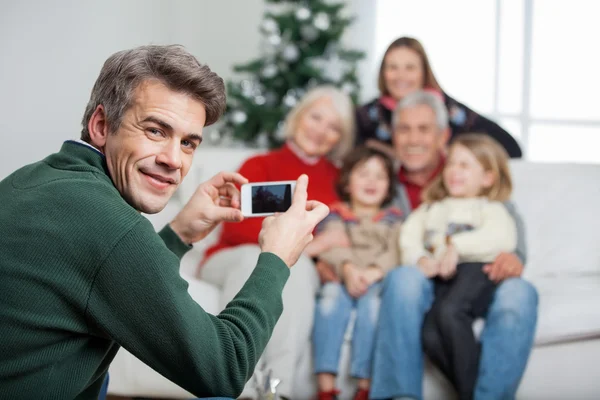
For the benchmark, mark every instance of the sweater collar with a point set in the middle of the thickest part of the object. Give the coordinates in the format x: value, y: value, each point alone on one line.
x: 79, y: 156
x: 301, y: 155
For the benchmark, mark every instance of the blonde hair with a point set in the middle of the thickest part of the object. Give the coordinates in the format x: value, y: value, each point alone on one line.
x: 344, y: 107
x: 492, y: 157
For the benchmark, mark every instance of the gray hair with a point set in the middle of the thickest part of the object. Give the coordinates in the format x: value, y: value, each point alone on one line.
x: 423, y: 98
x: 171, y: 65
x: 344, y: 107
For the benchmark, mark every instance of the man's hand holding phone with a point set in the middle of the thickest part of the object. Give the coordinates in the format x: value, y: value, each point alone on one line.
x: 287, y: 234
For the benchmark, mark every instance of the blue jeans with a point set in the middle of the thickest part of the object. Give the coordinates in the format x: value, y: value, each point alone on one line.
x: 332, y: 314
x: 103, y: 389
x: 506, y: 340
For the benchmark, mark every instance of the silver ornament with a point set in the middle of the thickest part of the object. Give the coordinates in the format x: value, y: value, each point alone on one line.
x: 322, y: 21
x: 269, y: 71
x: 348, y: 88
x: 247, y: 88
x: 260, y: 100
x: 269, y: 25
x: 289, y: 99
x: 274, y: 39
x: 302, y: 13
x: 309, y: 33
x: 290, y: 53
x: 238, y: 117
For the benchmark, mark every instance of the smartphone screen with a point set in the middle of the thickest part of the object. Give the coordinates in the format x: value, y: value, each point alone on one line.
x: 271, y: 198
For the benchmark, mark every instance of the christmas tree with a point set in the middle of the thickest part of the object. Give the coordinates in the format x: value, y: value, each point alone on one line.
x: 301, y: 50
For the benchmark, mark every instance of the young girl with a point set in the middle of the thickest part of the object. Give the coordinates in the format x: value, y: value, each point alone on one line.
x: 461, y: 226
x: 366, y: 186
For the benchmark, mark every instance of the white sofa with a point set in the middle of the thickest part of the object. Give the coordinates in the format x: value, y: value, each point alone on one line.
x: 560, y: 205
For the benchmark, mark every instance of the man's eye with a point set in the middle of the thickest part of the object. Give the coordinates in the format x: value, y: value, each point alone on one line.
x: 189, y: 144
x: 155, y: 132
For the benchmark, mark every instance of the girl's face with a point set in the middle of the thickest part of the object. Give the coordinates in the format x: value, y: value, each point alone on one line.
x: 403, y: 72
x: 369, y: 183
x: 463, y: 175
x: 319, y: 128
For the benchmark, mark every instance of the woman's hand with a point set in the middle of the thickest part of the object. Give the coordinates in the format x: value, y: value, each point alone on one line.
x: 354, y: 279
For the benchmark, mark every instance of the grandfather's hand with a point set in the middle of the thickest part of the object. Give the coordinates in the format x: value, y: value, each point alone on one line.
x: 214, y: 201
x: 506, y: 265
x: 286, y: 235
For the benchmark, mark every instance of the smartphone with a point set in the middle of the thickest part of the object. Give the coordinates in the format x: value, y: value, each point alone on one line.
x: 260, y: 199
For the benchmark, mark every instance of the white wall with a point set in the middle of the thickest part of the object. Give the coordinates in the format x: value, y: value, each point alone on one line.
x: 52, y: 52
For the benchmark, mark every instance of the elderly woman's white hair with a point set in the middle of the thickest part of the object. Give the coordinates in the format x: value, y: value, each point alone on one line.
x: 345, y: 109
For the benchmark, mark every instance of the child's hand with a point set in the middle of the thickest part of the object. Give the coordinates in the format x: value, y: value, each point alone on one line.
x: 448, y: 263
x: 429, y: 266
x: 373, y: 274
x: 354, y: 280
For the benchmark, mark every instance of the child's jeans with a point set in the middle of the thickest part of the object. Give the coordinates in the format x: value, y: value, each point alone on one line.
x: 332, y: 314
x: 447, y: 335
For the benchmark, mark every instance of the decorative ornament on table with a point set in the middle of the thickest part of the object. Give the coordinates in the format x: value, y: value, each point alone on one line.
x: 266, y: 385
x: 321, y: 21
x: 302, y: 13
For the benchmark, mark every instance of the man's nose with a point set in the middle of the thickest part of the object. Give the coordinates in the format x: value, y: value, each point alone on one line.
x: 170, y: 154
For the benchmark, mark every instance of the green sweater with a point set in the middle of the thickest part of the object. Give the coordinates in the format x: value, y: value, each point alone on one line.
x: 82, y: 273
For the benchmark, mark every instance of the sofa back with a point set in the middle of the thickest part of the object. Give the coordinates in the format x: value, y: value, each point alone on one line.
x: 559, y: 203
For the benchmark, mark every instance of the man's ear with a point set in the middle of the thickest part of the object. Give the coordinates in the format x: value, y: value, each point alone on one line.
x: 98, y: 128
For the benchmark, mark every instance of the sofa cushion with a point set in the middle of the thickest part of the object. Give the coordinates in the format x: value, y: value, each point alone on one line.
x: 568, y: 308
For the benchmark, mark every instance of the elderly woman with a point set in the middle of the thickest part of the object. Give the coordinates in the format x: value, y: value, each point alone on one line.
x: 319, y: 131
x: 405, y: 68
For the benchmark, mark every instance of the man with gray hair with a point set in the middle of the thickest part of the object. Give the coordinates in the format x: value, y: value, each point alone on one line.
x: 82, y: 272
x: 420, y: 137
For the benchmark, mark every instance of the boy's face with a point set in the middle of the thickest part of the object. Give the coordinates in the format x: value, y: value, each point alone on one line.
x: 369, y: 183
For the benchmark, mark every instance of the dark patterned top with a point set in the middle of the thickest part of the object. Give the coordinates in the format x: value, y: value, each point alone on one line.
x: 374, y: 122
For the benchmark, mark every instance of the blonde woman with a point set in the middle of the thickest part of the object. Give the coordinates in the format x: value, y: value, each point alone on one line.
x: 461, y: 226
x: 319, y: 131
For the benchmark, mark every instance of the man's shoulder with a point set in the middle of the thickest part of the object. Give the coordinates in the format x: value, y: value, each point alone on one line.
x: 84, y: 197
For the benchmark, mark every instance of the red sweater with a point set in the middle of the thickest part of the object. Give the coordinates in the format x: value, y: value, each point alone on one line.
x: 278, y: 165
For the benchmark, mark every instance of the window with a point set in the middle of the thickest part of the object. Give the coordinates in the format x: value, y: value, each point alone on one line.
x: 529, y: 65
